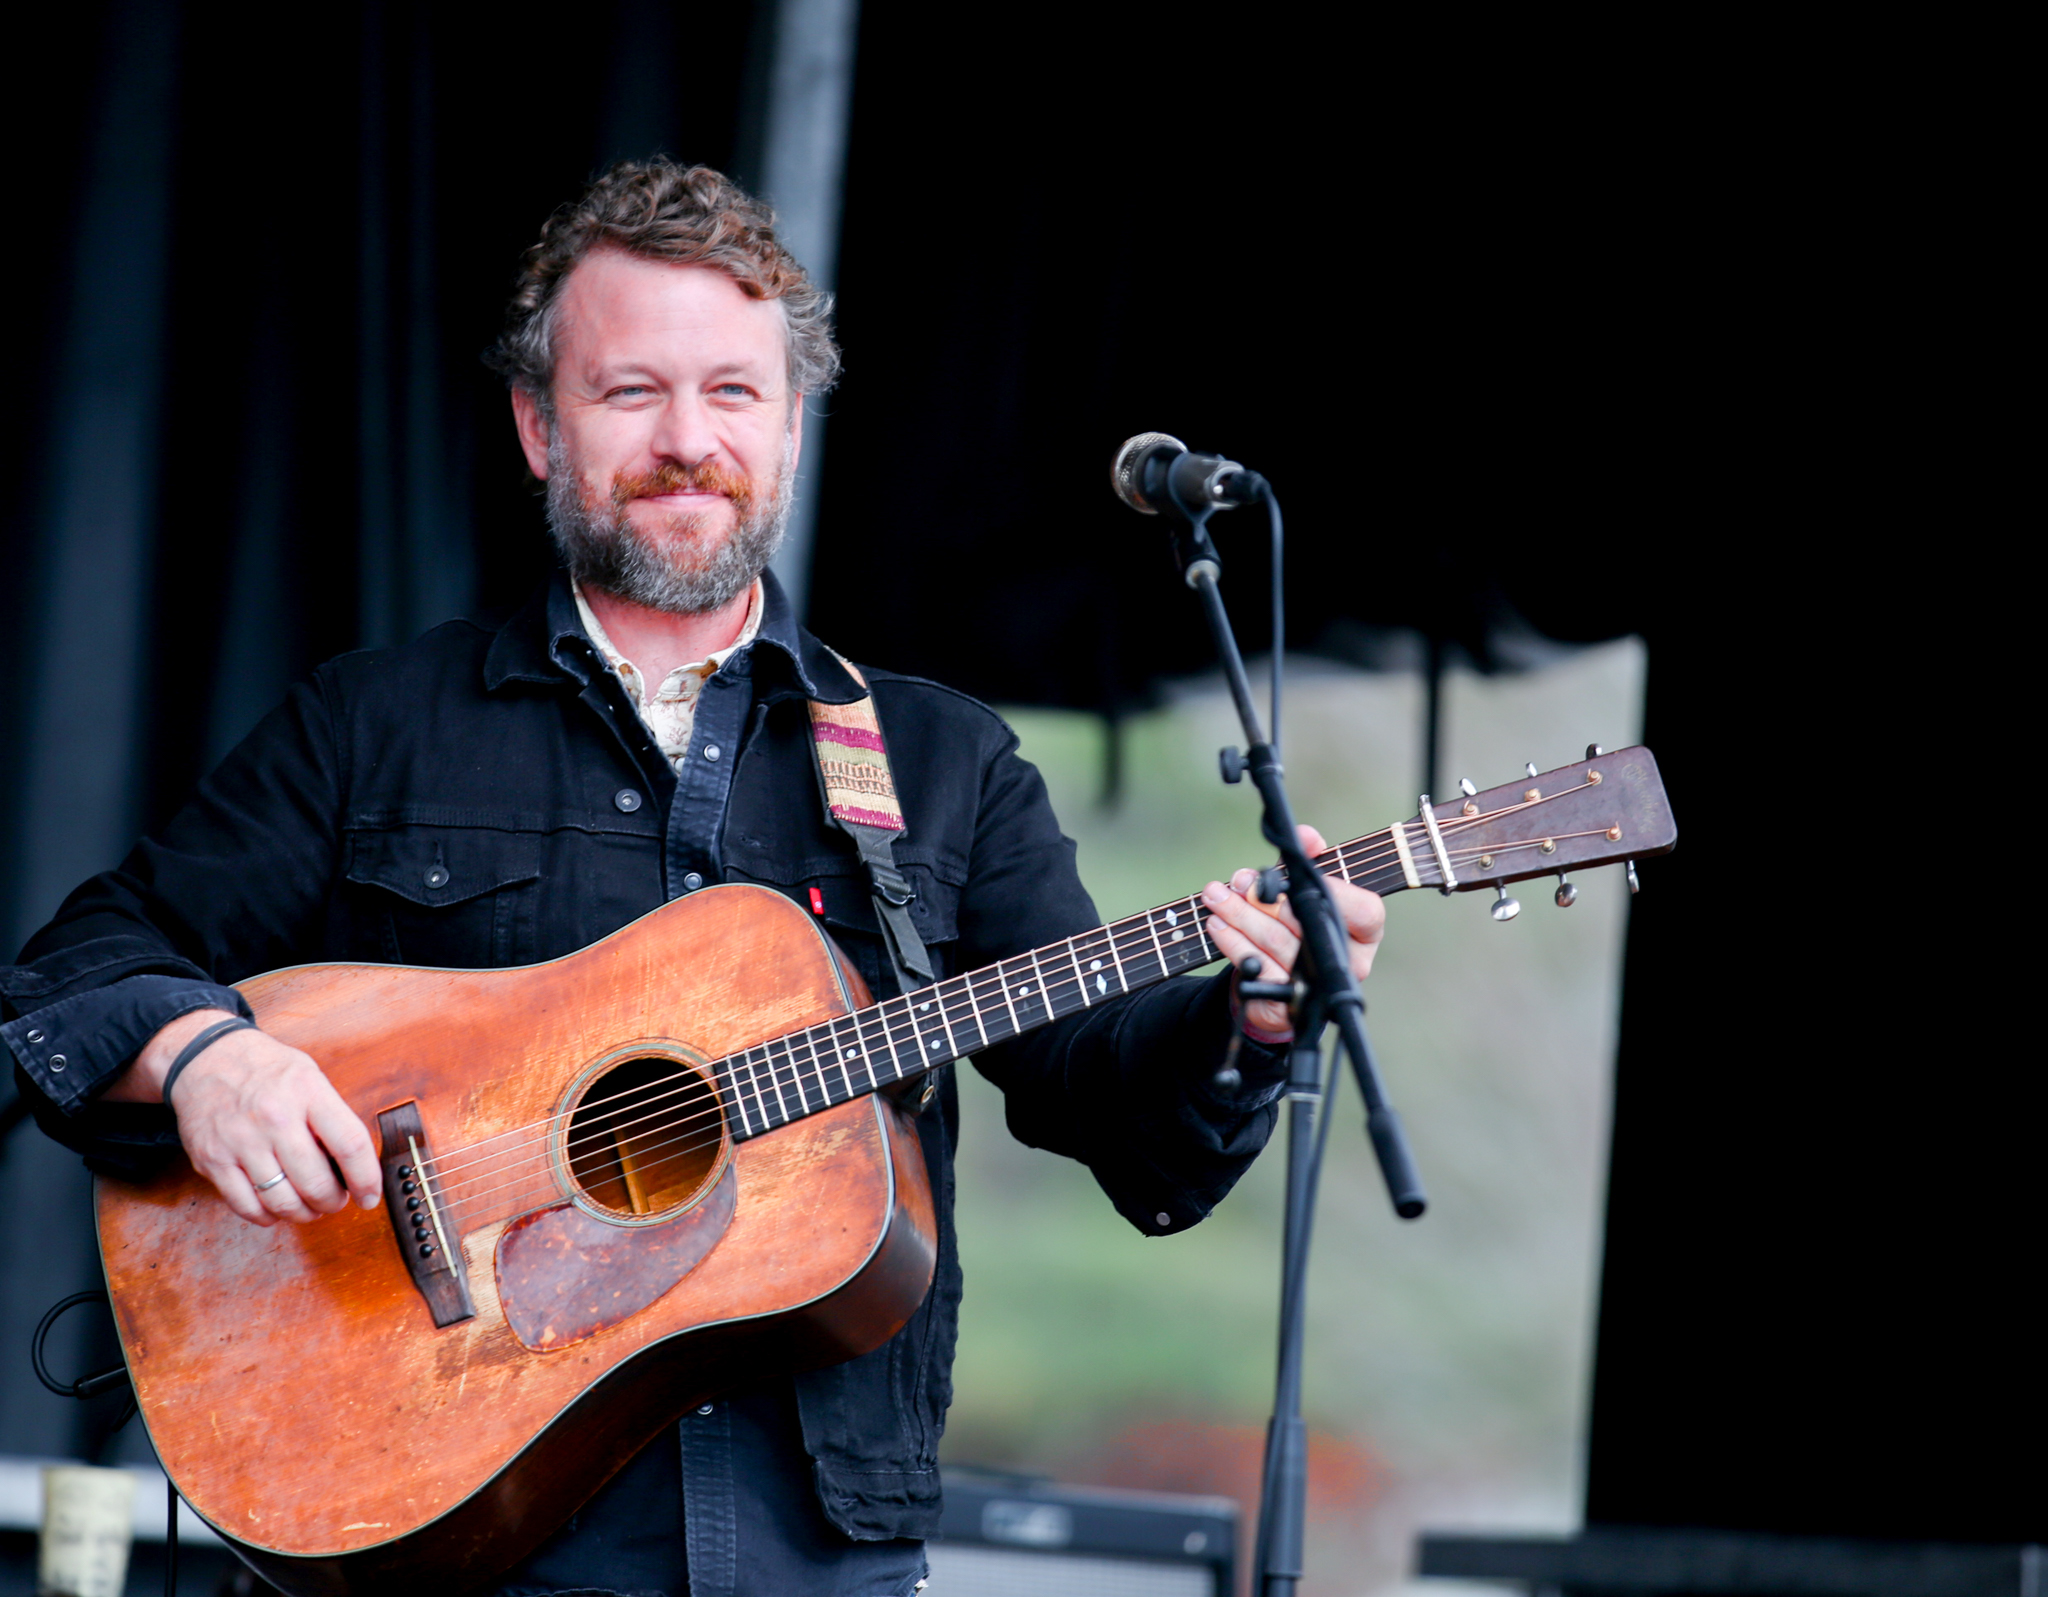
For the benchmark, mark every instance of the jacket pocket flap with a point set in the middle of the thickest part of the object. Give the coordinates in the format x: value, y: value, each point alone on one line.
x: 436, y: 865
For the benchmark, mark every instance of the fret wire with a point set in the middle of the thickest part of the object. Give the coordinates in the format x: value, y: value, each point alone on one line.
x: 889, y: 1036
x: 799, y: 1070
x: 839, y: 1054
x: 811, y: 1037
x: 1158, y: 948
x: 930, y: 1044
x: 738, y: 1092
x: 1108, y: 946
x: 945, y: 1024
x: 935, y: 1000
x: 1044, y: 997
x: 1123, y: 981
x: 1080, y: 981
x: 973, y: 1006
x: 754, y: 1078
x: 775, y: 1073
x: 881, y: 1013
x: 1003, y: 980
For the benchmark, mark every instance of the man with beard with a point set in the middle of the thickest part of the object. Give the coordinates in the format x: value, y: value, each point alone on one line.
x: 490, y: 797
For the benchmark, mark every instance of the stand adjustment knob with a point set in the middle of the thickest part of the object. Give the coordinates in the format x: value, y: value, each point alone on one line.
x: 1504, y: 908
x: 1232, y: 764
x: 1566, y: 895
x: 1634, y: 886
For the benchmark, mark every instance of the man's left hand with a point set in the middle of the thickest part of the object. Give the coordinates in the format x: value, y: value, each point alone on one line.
x: 1241, y: 925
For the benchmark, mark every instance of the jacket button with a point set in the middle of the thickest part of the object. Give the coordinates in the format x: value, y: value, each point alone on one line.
x: 437, y: 876
x: 711, y: 751
x: 627, y: 800
x: 58, y: 1062
x: 692, y: 882
x: 35, y: 1036
x: 1163, y: 1217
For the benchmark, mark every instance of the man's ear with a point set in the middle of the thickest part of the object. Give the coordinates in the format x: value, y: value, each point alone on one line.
x: 533, y: 432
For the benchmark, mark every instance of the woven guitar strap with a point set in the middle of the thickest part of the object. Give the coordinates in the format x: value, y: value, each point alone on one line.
x: 860, y: 797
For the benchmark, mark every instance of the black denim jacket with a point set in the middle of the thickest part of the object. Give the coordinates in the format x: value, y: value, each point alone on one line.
x: 484, y: 798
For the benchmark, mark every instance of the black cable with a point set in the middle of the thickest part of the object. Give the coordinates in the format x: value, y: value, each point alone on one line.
x: 1279, y: 605
x: 170, y: 1536
x: 87, y: 1386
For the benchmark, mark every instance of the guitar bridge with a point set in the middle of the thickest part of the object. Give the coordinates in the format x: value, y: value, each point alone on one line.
x: 431, y: 1252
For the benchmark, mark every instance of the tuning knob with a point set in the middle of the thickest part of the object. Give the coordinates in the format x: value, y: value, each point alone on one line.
x: 1566, y: 894
x: 1594, y: 751
x: 1232, y: 763
x: 1503, y: 908
x: 1465, y: 786
x: 1634, y: 886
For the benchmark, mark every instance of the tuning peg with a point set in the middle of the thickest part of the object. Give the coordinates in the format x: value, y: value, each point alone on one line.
x: 1503, y: 908
x: 1531, y: 769
x: 1594, y: 751
x: 1634, y: 886
x: 1465, y: 786
x: 1566, y: 894
x: 1232, y: 764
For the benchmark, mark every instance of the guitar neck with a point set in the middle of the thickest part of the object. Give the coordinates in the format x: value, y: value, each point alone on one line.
x: 787, y: 1078
x: 1607, y: 808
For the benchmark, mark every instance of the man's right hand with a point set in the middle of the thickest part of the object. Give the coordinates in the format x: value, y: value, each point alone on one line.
x: 249, y: 1107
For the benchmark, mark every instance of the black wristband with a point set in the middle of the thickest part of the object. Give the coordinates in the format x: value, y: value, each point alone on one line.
x: 198, y: 1045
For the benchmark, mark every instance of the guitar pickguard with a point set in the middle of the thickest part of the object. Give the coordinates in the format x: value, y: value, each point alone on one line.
x: 564, y: 1275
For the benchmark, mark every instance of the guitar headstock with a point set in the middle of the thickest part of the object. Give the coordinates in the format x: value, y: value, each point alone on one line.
x: 1601, y: 811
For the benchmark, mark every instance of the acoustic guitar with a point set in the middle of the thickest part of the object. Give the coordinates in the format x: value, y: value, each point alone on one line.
x: 619, y: 1184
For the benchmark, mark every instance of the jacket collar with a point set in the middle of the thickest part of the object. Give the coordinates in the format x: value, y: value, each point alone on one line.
x: 545, y: 642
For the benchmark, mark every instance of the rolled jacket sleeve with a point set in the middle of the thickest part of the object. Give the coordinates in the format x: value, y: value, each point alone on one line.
x: 232, y: 885
x: 1127, y: 1087
x: 71, y: 1049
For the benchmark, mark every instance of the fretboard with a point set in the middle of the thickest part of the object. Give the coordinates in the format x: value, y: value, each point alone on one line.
x: 789, y: 1077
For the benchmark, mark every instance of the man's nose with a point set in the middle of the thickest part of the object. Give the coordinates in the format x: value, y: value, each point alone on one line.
x: 685, y: 432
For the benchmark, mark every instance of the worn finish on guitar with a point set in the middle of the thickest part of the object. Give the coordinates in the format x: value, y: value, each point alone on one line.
x: 293, y: 1379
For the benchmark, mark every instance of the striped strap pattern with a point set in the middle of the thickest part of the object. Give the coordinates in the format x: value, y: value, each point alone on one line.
x: 858, y: 788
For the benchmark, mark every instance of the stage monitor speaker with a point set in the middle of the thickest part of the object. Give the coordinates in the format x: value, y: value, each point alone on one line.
x: 1020, y: 1536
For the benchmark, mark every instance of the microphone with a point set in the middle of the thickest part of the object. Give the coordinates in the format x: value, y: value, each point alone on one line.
x: 1155, y: 471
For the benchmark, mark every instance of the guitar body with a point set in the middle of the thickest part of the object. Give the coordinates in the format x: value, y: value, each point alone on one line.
x: 294, y: 1380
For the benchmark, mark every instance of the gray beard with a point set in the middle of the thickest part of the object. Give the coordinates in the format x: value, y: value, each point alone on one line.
x: 603, y: 549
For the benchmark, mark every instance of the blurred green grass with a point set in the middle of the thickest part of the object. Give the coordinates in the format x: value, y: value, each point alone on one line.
x: 1453, y: 1352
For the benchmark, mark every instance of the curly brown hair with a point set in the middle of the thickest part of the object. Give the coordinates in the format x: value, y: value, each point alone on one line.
x: 660, y: 211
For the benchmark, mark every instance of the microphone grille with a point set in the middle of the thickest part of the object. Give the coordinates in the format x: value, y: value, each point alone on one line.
x: 1123, y: 471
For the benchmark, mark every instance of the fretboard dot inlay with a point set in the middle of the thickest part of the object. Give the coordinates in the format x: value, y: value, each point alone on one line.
x: 1095, y: 964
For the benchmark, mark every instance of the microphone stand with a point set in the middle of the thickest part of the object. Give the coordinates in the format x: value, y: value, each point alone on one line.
x: 1322, y: 992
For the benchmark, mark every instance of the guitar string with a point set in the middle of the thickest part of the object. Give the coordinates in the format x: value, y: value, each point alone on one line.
x: 1051, y: 994
x: 1124, y: 935
x: 1062, y: 989
x: 971, y: 987
x: 1138, y: 928
x: 1135, y: 927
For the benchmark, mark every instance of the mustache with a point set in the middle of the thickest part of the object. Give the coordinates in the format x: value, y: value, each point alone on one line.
x: 672, y: 477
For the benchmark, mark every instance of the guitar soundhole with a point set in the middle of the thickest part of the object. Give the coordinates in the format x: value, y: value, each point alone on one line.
x: 646, y: 1137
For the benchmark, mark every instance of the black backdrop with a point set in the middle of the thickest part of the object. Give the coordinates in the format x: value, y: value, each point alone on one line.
x: 1560, y: 328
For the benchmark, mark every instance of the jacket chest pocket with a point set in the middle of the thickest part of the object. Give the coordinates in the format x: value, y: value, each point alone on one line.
x: 454, y: 896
